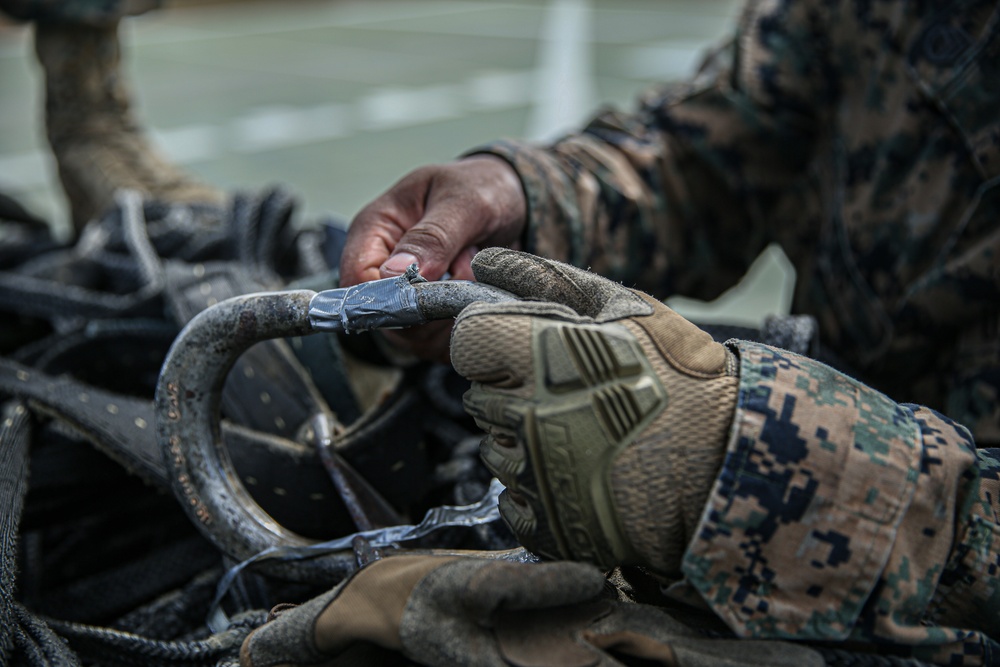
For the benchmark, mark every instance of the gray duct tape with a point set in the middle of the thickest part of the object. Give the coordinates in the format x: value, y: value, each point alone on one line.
x: 390, y: 303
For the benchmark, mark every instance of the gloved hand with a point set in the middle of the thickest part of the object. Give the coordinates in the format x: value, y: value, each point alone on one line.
x: 449, y: 611
x: 608, y: 414
x: 436, y: 610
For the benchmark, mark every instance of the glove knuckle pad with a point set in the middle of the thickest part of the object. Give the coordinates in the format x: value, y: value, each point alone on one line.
x: 596, y: 392
x: 493, y: 349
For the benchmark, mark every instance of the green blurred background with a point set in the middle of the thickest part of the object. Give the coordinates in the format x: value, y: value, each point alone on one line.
x: 338, y: 99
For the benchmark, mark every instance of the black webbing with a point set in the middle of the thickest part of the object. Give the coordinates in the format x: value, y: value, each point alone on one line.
x: 23, y: 638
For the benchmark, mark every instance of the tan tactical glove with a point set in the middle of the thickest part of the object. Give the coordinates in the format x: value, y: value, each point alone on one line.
x: 608, y: 413
x: 464, y: 612
x: 437, y: 611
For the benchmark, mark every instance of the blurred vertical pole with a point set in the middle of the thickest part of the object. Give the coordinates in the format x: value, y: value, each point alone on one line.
x: 564, y: 84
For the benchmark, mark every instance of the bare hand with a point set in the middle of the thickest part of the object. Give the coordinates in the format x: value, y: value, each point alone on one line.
x: 437, y: 216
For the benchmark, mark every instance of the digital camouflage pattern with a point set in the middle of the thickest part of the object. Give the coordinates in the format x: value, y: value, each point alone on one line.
x: 89, y: 12
x: 864, y: 138
x: 842, y: 515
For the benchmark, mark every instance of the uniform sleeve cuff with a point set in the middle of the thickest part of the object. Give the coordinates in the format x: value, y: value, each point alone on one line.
x: 803, y: 515
x: 553, y: 223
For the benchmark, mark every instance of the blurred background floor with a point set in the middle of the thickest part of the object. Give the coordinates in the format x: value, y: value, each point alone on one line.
x: 338, y: 99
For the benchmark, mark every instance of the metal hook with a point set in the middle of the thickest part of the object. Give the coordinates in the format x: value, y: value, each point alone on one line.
x: 188, y: 398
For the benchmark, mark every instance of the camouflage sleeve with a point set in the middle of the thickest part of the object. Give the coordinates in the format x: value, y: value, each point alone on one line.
x: 687, y: 181
x: 841, y: 515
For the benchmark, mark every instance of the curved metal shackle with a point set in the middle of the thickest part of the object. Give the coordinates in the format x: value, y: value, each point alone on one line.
x: 188, y: 401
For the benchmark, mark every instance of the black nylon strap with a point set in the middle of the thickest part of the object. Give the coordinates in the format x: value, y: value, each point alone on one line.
x: 21, y: 634
x: 286, y: 478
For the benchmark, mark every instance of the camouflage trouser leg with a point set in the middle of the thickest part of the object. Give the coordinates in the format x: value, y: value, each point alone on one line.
x: 90, y: 12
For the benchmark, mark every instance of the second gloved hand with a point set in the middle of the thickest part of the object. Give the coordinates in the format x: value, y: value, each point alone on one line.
x: 608, y: 413
x: 446, y: 611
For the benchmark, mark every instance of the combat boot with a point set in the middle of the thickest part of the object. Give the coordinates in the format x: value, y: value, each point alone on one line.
x: 98, y: 145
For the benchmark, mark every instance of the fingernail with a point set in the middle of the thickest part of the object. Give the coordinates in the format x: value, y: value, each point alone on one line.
x: 397, y: 264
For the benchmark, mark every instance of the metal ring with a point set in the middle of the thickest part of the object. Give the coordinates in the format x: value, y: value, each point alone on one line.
x: 188, y: 402
x: 188, y: 398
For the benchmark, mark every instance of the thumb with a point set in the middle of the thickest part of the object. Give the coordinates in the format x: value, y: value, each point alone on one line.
x: 543, y: 279
x: 448, y: 228
x: 476, y: 201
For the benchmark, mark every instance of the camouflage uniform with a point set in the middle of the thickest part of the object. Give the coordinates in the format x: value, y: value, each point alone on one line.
x: 864, y: 138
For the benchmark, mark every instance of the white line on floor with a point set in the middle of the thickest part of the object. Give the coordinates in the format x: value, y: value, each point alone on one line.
x: 276, y: 127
